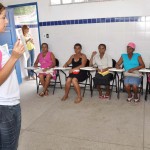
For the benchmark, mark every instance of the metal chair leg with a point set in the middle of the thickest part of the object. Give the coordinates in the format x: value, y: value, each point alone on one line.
x: 60, y: 81
x: 84, y: 88
x: 54, y: 86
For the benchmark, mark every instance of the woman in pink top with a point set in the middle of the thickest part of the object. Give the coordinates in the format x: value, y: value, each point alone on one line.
x: 46, y: 59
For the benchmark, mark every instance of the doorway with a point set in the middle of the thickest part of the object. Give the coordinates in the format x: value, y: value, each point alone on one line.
x: 27, y: 14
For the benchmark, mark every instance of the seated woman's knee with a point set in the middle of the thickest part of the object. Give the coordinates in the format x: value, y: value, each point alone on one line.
x: 41, y: 76
x: 69, y: 80
x: 135, y: 86
x: 74, y: 80
x: 48, y: 76
x: 127, y: 85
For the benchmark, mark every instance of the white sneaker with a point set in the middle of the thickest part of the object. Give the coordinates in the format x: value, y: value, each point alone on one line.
x: 136, y: 100
x: 129, y: 99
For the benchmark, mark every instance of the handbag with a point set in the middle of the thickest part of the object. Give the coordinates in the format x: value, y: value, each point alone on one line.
x: 135, y: 73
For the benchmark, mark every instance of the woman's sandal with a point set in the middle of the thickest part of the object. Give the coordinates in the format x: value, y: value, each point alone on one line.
x: 78, y: 100
x: 64, y: 98
x: 106, y: 96
x: 136, y: 100
x: 101, y: 96
x: 129, y: 99
x: 42, y: 94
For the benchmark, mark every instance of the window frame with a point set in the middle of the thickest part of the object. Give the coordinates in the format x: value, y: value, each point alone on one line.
x: 85, y: 1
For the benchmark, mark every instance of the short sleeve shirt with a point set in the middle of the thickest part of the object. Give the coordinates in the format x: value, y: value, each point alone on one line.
x: 130, y: 63
x: 102, y: 63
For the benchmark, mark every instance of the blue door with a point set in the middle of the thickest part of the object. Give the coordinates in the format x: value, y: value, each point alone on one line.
x: 9, y: 37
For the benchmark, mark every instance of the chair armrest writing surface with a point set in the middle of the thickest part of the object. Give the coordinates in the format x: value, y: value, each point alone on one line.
x: 32, y: 68
x: 62, y: 68
x: 144, y: 70
x: 88, y: 68
x: 116, y: 70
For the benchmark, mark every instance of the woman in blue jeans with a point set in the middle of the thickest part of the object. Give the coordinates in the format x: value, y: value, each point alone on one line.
x: 30, y: 47
x: 10, y: 112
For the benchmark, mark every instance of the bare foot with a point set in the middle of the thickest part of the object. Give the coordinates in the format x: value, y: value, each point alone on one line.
x: 46, y: 93
x: 64, y: 98
x: 78, y: 100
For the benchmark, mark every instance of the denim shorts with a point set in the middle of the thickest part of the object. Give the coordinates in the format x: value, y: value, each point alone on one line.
x: 10, y: 124
x: 132, y: 81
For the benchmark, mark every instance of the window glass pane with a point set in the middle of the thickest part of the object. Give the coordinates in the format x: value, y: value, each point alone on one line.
x: 25, y: 15
x: 66, y: 1
x: 55, y: 2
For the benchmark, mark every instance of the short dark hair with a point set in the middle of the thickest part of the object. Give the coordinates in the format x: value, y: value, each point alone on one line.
x: 78, y: 44
x: 102, y: 45
x: 2, y: 7
x: 45, y: 44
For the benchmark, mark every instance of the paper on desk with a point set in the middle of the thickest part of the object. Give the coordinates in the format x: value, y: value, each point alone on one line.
x: 40, y: 70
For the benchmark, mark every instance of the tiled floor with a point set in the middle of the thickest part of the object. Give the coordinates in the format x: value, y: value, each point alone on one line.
x: 94, y: 124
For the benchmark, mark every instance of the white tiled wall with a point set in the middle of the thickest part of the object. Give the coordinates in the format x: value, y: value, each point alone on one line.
x: 115, y: 35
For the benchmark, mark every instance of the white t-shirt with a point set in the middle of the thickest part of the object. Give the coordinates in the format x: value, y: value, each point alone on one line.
x: 103, y: 63
x: 9, y: 90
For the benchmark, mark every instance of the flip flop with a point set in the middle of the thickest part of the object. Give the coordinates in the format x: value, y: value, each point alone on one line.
x: 129, y: 99
x: 101, y: 96
x: 136, y: 100
x: 64, y: 98
x: 41, y: 94
x: 106, y: 96
x: 78, y: 100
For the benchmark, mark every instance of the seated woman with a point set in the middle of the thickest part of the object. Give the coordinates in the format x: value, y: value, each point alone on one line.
x: 46, y: 59
x: 77, y: 60
x: 132, y: 62
x: 102, y: 77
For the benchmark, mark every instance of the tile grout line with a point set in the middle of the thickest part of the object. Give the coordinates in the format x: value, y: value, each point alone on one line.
x: 76, y: 138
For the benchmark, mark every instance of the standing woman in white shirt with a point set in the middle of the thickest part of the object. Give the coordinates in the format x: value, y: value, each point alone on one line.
x: 10, y: 112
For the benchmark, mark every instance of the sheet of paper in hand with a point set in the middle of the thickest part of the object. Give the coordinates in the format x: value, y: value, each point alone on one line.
x: 5, y: 48
x: 5, y: 54
x: 22, y: 39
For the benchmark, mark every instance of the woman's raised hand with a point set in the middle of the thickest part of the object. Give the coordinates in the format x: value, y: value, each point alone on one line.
x: 94, y: 53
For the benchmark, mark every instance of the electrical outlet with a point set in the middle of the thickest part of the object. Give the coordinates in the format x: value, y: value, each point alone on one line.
x: 47, y: 35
